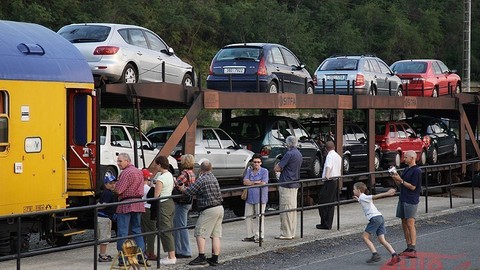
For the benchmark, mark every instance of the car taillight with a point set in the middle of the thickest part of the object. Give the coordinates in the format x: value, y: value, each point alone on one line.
x: 314, y: 79
x: 210, y: 71
x: 265, y: 152
x: 359, y: 80
x: 105, y: 50
x: 262, y: 69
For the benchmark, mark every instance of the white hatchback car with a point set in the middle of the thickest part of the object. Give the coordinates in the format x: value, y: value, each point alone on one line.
x: 116, y: 138
x: 229, y: 159
x: 127, y: 53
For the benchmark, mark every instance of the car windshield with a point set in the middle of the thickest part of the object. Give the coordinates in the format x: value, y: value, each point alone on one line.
x: 410, y: 67
x: 339, y: 64
x: 245, y: 130
x: 240, y: 53
x: 85, y: 33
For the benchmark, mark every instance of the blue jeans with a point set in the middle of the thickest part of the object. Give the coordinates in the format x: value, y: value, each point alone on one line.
x: 182, y: 242
x: 130, y: 221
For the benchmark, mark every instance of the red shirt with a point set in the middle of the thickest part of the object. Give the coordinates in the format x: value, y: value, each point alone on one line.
x: 130, y: 187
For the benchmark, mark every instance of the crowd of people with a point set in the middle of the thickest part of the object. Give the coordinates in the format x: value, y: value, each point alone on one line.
x: 171, y: 215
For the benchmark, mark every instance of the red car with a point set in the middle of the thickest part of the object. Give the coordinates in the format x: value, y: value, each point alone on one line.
x: 397, y: 137
x: 426, y: 77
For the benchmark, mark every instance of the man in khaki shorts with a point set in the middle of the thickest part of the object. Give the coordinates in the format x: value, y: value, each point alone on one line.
x: 209, y: 204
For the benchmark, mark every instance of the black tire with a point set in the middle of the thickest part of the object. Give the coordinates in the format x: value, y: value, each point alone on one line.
x: 398, y: 160
x: 346, y: 164
x: 309, y: 89
x: 315, y: 169
x: 434, y: 158
x: 377, y: 161
x: 423, y: 157
x: 454, y: 153
x: 129, y: 74
x: 187, y: 80
x: 399, y: 92
x: 272, y: 88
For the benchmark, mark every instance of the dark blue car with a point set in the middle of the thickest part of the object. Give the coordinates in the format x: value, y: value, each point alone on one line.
x: 258, y: 67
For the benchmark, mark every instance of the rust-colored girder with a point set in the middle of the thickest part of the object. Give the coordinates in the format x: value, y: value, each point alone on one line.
x: 227, y: 100
x: 405, y: 102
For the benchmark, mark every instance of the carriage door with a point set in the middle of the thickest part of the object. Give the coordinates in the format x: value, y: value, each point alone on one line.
x: 81, y: 122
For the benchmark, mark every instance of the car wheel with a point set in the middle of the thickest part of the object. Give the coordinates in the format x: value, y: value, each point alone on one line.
x: 309, y: 89
x: 129, y: 74
x: 454, y: 150
x: 398, y: 160
x: 272, y: 88
x: 187, y: 80
x: 435, y: 92
x: 316, y: 169
x: 346, y: 164
x: 399, y: 92
x: 377, y: 161
x: 434, y: 157
x: 423, y: 157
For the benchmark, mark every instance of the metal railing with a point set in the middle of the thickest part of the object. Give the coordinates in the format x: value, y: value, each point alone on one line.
x: 305, y: 184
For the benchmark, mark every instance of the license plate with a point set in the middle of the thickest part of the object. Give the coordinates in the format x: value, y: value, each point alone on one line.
x: 234, y: 70
x: 336, y: 77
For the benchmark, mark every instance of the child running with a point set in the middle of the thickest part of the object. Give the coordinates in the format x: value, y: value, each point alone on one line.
x: 376, y: 223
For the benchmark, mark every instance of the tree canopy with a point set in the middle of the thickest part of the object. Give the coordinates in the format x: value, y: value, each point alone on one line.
x: 312, y: 29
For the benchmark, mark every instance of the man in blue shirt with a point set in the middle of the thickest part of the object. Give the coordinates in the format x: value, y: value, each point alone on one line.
x: 410, y: 184
x: 289, y: 167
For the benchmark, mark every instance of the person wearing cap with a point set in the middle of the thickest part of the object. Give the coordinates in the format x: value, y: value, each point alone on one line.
x: 105, y: 216
x: 148, y: 225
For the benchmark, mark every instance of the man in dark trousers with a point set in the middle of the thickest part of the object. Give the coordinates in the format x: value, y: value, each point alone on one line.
x: 332, y: 170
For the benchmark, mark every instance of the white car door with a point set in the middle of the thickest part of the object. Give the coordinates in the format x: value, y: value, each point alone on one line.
x: 211, y: 149
x: 235, y: 158
x: 149, y: 66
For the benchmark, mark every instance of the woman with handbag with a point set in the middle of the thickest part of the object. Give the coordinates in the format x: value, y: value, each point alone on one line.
x: 182, y: 206
x: 163, y: 187
x: 256, y: 200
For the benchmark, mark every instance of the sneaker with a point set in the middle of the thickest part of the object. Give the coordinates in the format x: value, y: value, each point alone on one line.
x: 249, y: 239
x: 375, y: 258
x: 404, y: 252
x: 168, y: 261
x: 410, y: 254
x: 395, y: 259
x: 198, y: 261
x: 258, y: 240
x: 212, y: 262
x: 104, y: 258
x: 182, y: 256
x: 281, y: 237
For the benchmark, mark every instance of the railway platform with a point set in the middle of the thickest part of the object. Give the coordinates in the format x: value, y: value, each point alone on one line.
x: 352, y: 221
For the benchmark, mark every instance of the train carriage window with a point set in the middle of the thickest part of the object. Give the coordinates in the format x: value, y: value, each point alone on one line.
x: 4, y: 111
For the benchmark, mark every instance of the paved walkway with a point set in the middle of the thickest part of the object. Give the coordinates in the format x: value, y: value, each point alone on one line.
x: 352, y: 220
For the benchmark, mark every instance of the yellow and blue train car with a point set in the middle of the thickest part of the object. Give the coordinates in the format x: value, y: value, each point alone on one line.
x: 47, y: 128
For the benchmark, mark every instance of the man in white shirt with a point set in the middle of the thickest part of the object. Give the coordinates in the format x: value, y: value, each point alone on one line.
x: 332, y: 170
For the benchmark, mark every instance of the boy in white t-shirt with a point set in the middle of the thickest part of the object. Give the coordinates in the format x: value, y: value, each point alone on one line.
x: 376, y: 223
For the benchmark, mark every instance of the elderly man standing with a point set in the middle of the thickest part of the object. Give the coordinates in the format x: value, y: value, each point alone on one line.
x: 209, y: 222
x: 129, y: 188
x: 289, y: 167
x: 332, y: 170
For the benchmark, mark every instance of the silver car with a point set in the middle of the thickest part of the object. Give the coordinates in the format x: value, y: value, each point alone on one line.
x: 364, y: 74
x: 127, y: 53
x: 229, y: 160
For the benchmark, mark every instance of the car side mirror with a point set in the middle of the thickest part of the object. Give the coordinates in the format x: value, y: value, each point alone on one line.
x: 362, y: 139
